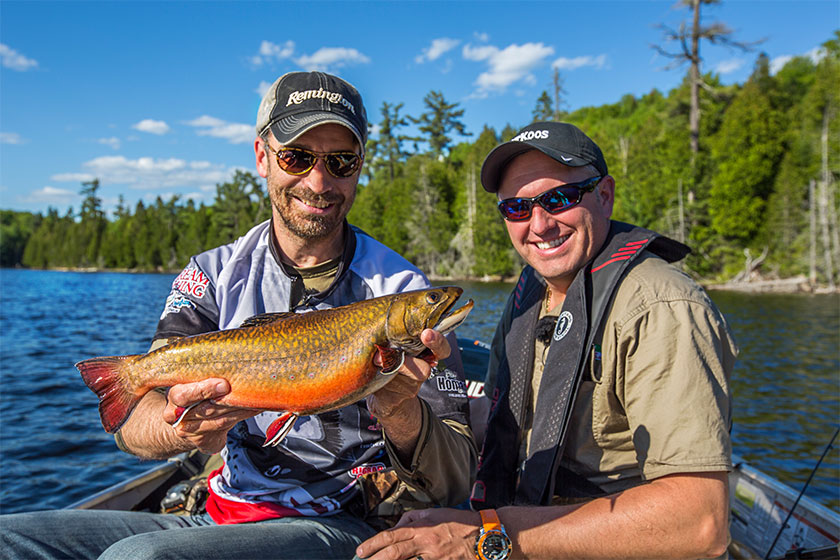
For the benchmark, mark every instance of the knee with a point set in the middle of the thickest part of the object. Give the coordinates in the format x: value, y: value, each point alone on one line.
x: 146, y: 546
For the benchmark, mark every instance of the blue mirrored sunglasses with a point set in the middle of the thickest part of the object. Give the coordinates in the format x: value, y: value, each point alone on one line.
x: 553, y: 201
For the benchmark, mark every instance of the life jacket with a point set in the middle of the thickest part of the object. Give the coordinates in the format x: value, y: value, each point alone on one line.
x: 577, y: 335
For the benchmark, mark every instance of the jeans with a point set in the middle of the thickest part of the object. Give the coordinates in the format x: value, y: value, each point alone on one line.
x: 122, y: 535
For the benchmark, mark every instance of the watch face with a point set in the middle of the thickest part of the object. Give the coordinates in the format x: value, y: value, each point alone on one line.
x: 494, y: 545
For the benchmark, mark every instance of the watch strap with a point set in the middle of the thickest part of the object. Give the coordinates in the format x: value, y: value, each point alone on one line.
x: 490, y: 519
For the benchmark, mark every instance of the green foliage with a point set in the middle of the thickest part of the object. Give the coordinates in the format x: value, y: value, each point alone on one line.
x: 16, y: 228
x: 746, y: 187
x: 544, y: 110
x: 439, y: 121
x: 747, y: 152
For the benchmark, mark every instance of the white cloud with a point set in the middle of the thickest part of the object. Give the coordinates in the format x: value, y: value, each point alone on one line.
x: 74, y: 177
x: 150, y: 173
x: 481, y: 37
x: 438, y: 48
x: 271, y: 52
x: 564, y: 63
x: 778, y: 63
x: 11, y: 138
x: 507, y: 66
x: 14, y: 60
x: 263, y: 88
x: 51, y: 195
x: 729, y: 66
x: 113, y: 142
x: 330, y: 58
x: 816, y: 54
x: 152, y: 126
x: 235, y: 133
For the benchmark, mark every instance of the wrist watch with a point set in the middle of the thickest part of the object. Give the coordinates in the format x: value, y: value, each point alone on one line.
x: 492, y: 542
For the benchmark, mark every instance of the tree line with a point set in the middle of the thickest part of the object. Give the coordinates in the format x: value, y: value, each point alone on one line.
x: 744, y: 174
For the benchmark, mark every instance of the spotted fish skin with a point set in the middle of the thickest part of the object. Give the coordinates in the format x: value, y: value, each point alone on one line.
x: 298, y: 363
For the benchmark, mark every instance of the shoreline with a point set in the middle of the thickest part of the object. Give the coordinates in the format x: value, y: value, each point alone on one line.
x: 794, y: 285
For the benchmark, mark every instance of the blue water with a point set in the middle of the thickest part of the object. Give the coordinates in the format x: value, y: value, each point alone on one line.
x: 54, y: 452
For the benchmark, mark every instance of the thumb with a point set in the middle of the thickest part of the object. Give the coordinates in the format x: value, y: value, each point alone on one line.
x: 185, y: 394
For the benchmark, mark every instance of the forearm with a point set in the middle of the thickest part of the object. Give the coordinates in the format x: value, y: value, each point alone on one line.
x: 680, y: 516
x: 146, y: 435
x: 402, y: 428
x: 443, y: 462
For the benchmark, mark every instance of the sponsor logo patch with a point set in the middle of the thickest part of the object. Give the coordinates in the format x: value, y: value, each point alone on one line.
x: 475, y: 389
x: 175, y: 302
x: 448, y: 382
x: 192, y: 282
x: 362, y: 470
x: 564, y: 323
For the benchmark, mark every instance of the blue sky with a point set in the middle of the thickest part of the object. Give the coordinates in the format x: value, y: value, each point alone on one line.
x: 160, y: 98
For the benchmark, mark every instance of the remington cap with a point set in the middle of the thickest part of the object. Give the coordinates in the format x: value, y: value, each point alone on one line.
x: 299, y: 101
x: 562, y: 142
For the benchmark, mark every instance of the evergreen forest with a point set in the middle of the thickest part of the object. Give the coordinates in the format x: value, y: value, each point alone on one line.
x: 745, y: 174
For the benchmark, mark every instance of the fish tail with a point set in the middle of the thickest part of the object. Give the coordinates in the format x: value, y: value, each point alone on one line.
x: 105, y: 377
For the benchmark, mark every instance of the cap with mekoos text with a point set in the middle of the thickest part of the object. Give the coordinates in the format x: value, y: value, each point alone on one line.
x: 562, y: 142
x: 299, y: 101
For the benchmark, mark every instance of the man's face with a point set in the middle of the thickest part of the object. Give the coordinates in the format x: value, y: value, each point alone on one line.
x: 557, y: 245
x: 311, y: 206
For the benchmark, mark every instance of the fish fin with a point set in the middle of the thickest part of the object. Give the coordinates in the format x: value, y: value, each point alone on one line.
x: 392, y: 359
x: 181, y: 412
x: 266, y: 319
x: 278, y: 429
x: 104, y: 376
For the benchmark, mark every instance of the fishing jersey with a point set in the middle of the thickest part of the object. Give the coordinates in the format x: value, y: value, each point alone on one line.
x: 313, y: 471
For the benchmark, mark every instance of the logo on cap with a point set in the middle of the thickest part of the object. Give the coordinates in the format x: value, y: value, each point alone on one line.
x: 530, y: 135
x: 298, y: 97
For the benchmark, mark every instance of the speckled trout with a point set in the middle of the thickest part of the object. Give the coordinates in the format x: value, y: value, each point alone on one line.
x: 298, y: 364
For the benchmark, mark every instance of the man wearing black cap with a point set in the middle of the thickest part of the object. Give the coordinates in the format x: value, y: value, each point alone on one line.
x: 311, y: 496
x: 608, y: 429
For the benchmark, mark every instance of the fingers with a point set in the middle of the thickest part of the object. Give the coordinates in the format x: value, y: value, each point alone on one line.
x: 431, y: 533
x: 436, y: 342
x: 186, y: 394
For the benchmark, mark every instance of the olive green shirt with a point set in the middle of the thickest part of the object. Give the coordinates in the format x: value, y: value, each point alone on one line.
x: 659, y: 401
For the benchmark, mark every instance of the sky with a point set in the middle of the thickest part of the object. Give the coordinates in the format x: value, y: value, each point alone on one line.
x: 160, y: 98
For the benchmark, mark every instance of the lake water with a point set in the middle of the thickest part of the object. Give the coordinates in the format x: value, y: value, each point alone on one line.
x: 54, y: 452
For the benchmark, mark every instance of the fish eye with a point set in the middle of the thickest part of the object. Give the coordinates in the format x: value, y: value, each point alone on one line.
x: 432, y: 297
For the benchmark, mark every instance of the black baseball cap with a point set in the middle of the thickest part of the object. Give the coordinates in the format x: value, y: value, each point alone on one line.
x: 562, y: 142
x: 299, y: 101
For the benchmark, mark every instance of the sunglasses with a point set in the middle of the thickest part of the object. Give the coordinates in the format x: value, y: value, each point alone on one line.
x: 297, y: 161
x: 553, y: 201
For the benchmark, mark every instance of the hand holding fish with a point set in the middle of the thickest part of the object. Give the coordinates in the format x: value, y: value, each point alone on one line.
x: 197, y: 418
x: 396, y: 406
x: 295, y: 364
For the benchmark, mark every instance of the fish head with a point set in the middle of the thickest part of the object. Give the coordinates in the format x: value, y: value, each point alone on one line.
x: 411, y: 312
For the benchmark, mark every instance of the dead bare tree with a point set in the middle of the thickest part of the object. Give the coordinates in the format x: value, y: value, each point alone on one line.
x: 688, y: 39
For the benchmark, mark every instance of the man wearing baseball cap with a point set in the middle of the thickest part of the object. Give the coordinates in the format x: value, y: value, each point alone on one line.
x: 337, y: 477
x: 608, y: 429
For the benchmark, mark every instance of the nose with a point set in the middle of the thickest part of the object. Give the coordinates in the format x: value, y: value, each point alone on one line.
x: 319, y: 179
x: 541, y: 221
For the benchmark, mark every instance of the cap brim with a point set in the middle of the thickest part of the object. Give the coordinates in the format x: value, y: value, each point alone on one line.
x: 498, y: 158
x: 289, y: 129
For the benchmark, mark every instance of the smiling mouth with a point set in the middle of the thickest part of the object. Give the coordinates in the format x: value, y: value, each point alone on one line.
x: 553, y: 243
x: 315, y: 205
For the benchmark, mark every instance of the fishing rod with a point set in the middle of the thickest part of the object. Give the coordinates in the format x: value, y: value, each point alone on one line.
x: 807, y: 482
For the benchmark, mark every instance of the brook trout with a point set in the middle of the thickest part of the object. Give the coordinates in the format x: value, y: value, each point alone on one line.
x: 298, y: 364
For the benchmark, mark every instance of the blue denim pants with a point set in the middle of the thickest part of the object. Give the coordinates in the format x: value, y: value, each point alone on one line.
x: 122, y: 535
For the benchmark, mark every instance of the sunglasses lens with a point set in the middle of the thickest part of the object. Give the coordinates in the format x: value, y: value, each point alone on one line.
x: 515, y: 209
x: 295, y: 161
x: 558, y: 199
x: 342, y: 165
